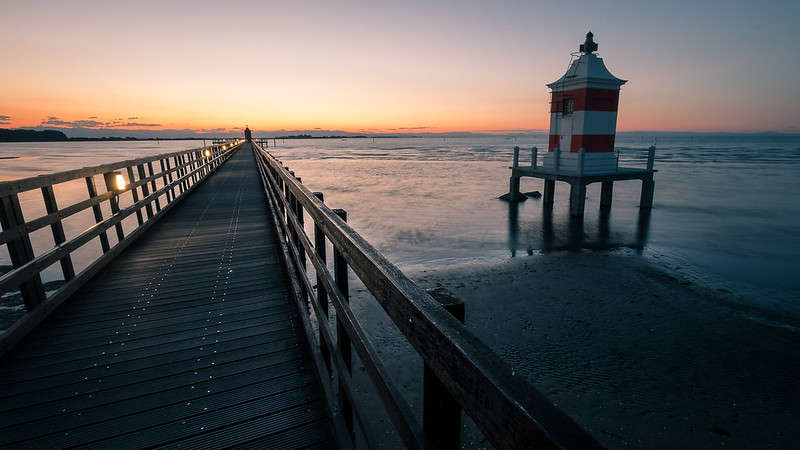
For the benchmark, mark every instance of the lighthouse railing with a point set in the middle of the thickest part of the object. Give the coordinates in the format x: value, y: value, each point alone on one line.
x: 505, y: 408
x: 578, y: 161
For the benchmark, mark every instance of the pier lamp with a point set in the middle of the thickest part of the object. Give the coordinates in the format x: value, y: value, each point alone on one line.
x: 119, y: 182
x: 206, y: 153
x: 115, y: 181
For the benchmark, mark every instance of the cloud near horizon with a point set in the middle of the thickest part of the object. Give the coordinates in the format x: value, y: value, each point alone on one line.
x: 411, y: 128
x: 91, y: 123
x: 4, y: 120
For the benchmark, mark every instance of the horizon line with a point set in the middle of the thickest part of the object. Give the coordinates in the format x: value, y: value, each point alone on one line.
x: 93, y: 133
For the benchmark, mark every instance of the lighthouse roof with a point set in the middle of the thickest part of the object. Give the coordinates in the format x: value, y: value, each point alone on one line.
x: 588, y: 70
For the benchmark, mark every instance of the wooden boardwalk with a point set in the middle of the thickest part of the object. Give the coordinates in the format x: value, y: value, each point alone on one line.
x: 190, y: 338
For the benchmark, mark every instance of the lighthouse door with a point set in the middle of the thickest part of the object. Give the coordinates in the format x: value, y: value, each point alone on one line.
x: 565, y: 141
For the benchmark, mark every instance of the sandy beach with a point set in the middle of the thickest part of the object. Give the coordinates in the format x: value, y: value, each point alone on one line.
x: 637, y: 353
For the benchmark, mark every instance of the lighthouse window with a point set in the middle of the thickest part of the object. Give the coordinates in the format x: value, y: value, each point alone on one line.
x: 567, y: 106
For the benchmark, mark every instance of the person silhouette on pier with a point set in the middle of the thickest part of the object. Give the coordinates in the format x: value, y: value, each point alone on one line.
x: 247, y: 134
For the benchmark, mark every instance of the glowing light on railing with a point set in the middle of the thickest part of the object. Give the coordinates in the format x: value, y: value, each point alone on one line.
x: 207, y: 153
x: 115, y: 182
x: 119, y: 181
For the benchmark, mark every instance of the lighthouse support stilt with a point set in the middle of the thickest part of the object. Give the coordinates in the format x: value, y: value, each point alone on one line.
x: 648, y: 189
x: 513, y: 189
x: 577, y: 199
x: 606, y: 195
x: 549, y: 191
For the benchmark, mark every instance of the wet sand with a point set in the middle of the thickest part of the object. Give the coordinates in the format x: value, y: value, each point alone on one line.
x: 638, y: 354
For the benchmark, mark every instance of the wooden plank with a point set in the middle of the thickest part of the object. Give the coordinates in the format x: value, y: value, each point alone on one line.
x: 148, y: 406
x: 190, y: 336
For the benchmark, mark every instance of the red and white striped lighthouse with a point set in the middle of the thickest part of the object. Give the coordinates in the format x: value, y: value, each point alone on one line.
x: 583, y: 115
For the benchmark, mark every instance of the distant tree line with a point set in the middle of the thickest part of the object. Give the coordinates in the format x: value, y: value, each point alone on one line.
x: 308, y: 136
x: 31, y: 135
x: 7, y: 135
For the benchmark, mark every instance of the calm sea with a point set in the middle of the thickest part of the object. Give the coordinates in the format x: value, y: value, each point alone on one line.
x: 725, y: 215
x: 726, y: 207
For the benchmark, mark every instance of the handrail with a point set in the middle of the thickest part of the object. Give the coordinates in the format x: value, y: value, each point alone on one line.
x: 508, y: 410
x: 151, y: 192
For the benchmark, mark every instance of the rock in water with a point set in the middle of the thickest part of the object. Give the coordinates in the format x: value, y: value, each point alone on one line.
x: 507, y: 197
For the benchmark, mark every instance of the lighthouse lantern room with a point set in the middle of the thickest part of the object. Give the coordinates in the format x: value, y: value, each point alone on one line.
x: 583, y: 115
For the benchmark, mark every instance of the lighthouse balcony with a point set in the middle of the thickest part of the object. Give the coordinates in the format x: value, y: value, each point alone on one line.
x: 579, y: 163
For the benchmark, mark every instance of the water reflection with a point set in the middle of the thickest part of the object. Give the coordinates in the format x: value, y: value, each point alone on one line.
x: 549, y: 233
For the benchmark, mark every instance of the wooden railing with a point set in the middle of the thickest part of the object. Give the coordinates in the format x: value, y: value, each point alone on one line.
x: 507, y: 410
x: 148, y: 188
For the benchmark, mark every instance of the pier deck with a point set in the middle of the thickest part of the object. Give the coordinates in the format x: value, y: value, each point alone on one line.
x: 190, y: 338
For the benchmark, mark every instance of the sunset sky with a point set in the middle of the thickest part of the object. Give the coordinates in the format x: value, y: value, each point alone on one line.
x: 391, y: 66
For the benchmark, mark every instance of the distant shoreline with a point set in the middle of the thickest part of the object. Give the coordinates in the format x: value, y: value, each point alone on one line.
x: 22, y: 135
x: 57, y: 135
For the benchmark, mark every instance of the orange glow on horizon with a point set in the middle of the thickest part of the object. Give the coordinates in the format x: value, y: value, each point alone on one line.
x: 483, y: 68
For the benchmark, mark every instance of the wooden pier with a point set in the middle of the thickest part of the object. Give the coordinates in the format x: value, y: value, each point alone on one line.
x: 189, y: 338
x: 211, y: 319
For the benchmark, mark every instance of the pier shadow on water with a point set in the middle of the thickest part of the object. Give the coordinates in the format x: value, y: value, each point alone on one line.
x: 551, y: 234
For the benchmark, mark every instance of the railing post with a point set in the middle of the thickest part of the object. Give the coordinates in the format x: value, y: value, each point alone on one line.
x: 322, y: 293
x: 135, y: 195
x: 516, y: 157
x: 343, y: 340
x: 153, y: 185
x: 145, y: 191
x: 181, y: 172
x: 98, y: 213
x: 50, y: 205
x: 168, y: 180
x: 298, y: 211
x: 441, y: 414
x: 651, y: 157
x: 534, y: 157
x: 114, y: 202
x: 297, y: 207
x: 21, y: 251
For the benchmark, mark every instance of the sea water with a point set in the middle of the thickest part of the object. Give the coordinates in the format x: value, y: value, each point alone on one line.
x: 725, y: 218
x: 726, y: 207
x: 725, y: 212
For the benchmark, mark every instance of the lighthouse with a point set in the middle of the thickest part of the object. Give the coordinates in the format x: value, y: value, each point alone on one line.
x: 583, y: 115
x: 583, y: 125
